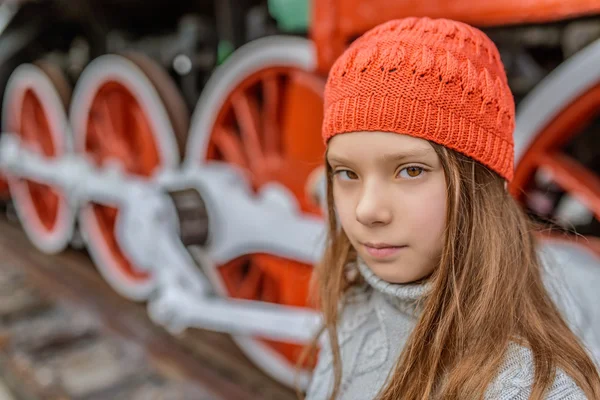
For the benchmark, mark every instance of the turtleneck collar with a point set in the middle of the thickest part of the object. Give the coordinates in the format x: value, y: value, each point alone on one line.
x: 404, y: 296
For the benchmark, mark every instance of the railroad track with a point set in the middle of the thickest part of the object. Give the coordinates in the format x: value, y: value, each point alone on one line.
x: 65, y: 334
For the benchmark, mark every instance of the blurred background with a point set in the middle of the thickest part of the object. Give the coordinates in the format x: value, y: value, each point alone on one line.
x: 149, y: 91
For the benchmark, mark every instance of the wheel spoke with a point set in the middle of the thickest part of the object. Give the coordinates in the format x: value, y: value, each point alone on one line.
x: 108, y: 138
x: 116, y: 103
x: 302, y: 112
x: 44, y: 201
x: 109, y: 128
x: 574, y: 178
x: 146, y: 157
x: 43, y: 136
x: 269, y: 290
x: 248, y: 117
x: 310, y: 82
x: 106, y: 217
x: 233, y: 275
x: 97, y: 150
x: 251, y: 284
x: 29, y: 125
x: 111, y: 214
x: 230, y: 146
x: 270, y: 120
x: 101, y: 136
x: 48, y: 199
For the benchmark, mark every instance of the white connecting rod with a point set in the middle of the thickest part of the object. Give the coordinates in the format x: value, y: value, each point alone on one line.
x: 239, y: 223
x: 77, y: 177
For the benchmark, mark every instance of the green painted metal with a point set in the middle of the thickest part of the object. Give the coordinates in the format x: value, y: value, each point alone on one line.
x: 291, y: 15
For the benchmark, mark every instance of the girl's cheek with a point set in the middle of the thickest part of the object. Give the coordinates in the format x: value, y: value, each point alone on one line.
x: 342, y: 202
x: 428, y: 214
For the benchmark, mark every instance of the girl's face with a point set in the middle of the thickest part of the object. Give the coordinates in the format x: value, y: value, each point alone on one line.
x: 390, y: 197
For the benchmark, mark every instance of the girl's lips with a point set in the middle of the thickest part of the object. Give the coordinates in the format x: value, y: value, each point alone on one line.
x: 382, y: 251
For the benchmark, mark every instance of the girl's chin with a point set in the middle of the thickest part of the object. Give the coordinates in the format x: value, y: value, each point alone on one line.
x: 395, y: 272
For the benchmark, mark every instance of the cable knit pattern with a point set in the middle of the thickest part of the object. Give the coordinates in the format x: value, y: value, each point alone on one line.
x: 375, y: 323
x: 403, y: 297
x: 436, y: 79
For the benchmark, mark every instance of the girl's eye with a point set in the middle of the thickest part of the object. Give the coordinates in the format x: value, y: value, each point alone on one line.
x: 411, y: 172
x: 347, y: 174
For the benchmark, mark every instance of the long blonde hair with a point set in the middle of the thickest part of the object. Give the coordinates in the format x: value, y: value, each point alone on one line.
x: 486, y: 292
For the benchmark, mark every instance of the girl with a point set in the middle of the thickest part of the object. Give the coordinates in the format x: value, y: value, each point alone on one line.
x: 432, y: 261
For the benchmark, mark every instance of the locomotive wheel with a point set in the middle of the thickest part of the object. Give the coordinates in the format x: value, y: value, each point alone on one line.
x: 126, y: 112
x: 35, y: 102
x: 262, y: 111
x: 556, y: 116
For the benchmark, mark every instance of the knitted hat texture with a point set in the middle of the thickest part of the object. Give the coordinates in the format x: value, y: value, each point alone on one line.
x: 435, y: 79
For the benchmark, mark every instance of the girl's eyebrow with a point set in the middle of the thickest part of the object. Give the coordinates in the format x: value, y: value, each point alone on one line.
x: 388, y: 157
x: 397, y: 157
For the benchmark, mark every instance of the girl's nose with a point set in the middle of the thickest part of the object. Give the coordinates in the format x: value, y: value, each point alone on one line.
x: 372, y: 209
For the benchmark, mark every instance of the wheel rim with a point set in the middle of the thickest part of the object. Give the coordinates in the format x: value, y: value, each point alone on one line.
x: 262, y: 122
x: 35, y: 101
x: 553, y: 172
x: 124, y: 118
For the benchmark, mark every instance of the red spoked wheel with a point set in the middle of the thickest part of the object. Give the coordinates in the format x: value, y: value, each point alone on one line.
x: 262, y: 111
x: 35, y: 102
x: 557, y: 178
x: 557, y: 150
x: 126, y: 113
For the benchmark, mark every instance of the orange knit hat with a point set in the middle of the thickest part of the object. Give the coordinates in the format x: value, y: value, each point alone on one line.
x: 436, y: 79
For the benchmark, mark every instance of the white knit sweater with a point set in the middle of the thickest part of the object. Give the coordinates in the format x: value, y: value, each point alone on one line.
x: 373, y: 329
